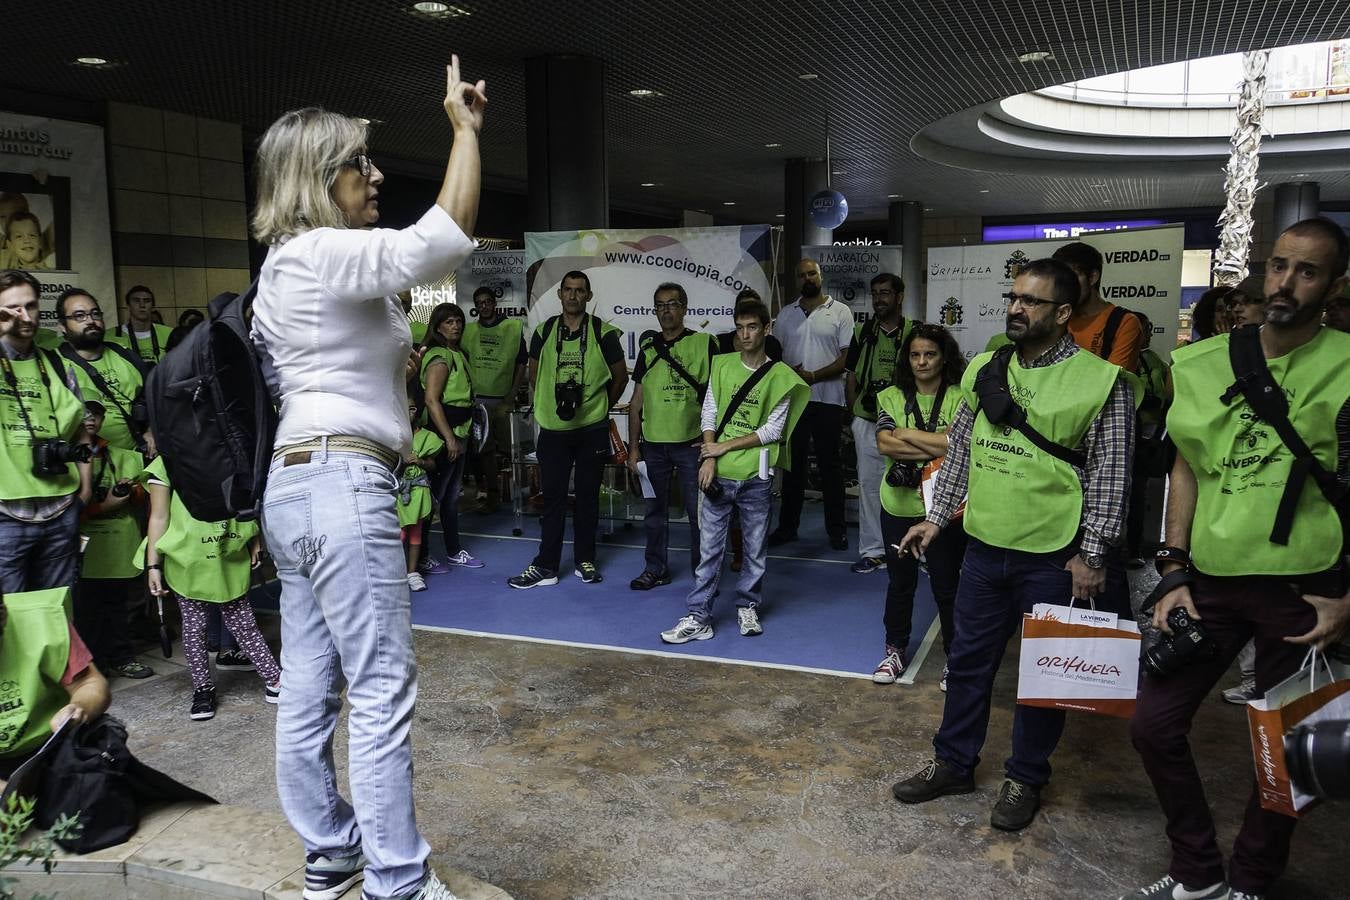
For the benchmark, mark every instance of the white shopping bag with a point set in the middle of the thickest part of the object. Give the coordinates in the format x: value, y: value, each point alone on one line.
x: 1065, y: 665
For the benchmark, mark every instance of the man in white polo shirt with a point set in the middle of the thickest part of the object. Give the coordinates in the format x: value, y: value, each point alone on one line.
x: 815, y: 332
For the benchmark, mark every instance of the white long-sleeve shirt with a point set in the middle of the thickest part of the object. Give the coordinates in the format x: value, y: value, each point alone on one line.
x: 768, y: 433
x: 336, y: 337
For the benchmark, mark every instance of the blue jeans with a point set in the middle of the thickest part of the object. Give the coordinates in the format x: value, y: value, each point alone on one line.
x: 752, y: 498
x: 997, y: 587
x: 331, y: 526
x: 35, y: 556
x: 662, y: 459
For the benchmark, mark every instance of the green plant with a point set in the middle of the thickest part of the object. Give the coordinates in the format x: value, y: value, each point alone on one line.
x: 15, y: 818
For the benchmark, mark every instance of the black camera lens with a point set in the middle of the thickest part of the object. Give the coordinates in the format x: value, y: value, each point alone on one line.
x: 1188, y: 641
x: 121, y: 490
x: 1318, y: 757
x: 904, y: 474
x: 567, y: 400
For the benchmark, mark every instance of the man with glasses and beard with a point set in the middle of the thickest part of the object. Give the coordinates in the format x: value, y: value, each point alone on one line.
x: 106, y: 372
x: 1046, y: 501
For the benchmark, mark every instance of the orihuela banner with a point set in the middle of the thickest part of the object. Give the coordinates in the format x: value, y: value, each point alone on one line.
x: 1141, y: 270
x: 1067, y: 663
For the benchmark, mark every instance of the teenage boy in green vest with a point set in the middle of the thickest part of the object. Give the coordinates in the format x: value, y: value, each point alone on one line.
x: 1039, y: 527
x: 119, y: 384
x: 745, y: 436
x: 663, y: 424
x: 39, y: 404
x: 46, y: 675
x: 578, y: 373
x: 1234, y: 563
x: 495, y: 345
x: 871, y: 369
x: 141, y: 334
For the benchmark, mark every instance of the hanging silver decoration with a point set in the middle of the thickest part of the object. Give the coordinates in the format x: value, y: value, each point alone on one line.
x: 1240, y: 184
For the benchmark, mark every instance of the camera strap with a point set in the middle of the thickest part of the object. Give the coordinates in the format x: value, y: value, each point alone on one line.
x: 999, y: 407
x: 135, y: 345
x: 1169, y: 583
x: 1266, y: 397
x: 114, y: 396
x: 13, y: 381
x: 662, y: 349
x: 912, y: 408
x: 739, y: 397
x: 590, y: 322
x: 871, y: 335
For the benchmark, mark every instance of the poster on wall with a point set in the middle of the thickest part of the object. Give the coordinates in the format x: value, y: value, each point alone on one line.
x: 54, y: 207
x: 500, y: 271
x: 847, y: 273
x: 1141, y: 270
x: 626, y: 265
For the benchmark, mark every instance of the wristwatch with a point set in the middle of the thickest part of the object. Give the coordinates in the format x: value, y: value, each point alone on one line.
x: 1093, y: 560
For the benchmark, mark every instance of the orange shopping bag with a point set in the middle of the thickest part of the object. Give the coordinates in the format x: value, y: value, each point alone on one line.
x: 1078, y: 667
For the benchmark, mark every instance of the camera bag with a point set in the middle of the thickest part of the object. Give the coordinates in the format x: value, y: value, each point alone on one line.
x: 213, y: 416
x: 1256, y: 385
x: 999, y: 407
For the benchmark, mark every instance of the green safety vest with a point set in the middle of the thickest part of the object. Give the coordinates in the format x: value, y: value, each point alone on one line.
x: 908, y: 502
x: 34, y: 654
x: 425, y: 443
x: 1241, y: 465
x: 113, y: 538
x: 419, y: 331
x: 1022, y: 498
x: 671, y: 408
x: 1153, y: 380
x: 458, y: 390
x: 54, y: 411
x: 554, y: 369
x: 207, y: 561
x: 877, y: 355
x: 728, y: 374
x: 48, y: 339
x: 125, y: 382
x: 150, y: 349
x: 493, y: 353
x: 999, y: 340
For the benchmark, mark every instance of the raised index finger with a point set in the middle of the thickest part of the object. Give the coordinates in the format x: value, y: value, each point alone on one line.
x: 452, y: 73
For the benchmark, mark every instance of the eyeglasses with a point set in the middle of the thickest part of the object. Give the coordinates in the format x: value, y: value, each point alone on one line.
x: 361, y: 163
x: 82, y: 316
x: 886, y: 292
x: 1027, y: 301
x: 670, y: 304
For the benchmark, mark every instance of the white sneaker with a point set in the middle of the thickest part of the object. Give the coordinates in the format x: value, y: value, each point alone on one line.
x: 1168, y: 888
x: 942, y: 685
x: 1241, y: 692
x: 416, y: 582
x: 749, y: 620
x: 434, y: 889
x: 686, y: 630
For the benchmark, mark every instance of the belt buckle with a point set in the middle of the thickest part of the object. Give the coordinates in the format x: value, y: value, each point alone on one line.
x: 297, y: 458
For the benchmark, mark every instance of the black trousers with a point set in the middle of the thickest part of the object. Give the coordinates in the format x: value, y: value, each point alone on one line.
x: 818, y: 430
x: 560, y: 452
x: 943, y: 557
x: 100, y: 613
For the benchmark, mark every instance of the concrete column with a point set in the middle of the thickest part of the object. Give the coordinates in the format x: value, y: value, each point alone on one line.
x: 802, y: 179
x: 904, y: 226
x: 565, y: 143
x: 1294, y: 201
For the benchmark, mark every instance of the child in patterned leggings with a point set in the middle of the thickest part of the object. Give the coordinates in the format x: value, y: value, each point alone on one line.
x: 206, y: 564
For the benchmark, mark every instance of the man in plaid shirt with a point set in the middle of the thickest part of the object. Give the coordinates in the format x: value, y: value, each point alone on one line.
x: 1042, y: 512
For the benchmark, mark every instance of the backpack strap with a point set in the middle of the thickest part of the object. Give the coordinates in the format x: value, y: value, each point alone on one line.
x: 739, y: 397
x: 1113, y: 320
x: 1259, y: 388
x: 662, y: 349
x: 999, y: 407
x: 96, y: 376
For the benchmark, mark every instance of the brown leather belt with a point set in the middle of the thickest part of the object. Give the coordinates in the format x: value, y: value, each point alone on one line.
x: 303, y: 452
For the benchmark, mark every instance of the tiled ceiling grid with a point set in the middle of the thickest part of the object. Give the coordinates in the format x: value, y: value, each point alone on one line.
x: 727, y: 73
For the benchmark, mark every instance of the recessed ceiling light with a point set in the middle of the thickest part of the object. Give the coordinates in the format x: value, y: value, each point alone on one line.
x: 649, y: 184
x: 362, y: 119
x: 838, y: 172
x: 984, y: 190
x: 1035, y: 56
x: 928, y: 209
x: 91, y: 61
x: 644, y: 92
x: 728, y: 202
x: 773, y: 144
x: 433, y: 9
x: 779, y: 215
x: 892, y: 196
x: 1098, y: 184
x: 808, y: 76
x: 1301, y: 175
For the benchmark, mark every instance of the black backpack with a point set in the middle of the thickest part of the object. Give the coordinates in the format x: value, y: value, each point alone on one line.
x: 213, y: 416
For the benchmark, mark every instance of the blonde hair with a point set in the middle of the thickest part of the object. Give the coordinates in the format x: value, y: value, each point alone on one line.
x: 297, y: 164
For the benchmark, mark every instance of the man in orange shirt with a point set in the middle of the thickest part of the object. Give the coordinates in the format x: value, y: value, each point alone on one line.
x: 1097, y: 326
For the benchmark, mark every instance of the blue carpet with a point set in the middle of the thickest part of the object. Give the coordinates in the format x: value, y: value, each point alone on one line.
x: 817, y: 615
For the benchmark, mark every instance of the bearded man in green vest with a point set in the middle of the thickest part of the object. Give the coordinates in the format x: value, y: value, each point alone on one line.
x: 107, y: 372
x: 1255, y: 543
x: 1046, y: 502
x: 751, y: 406
x: 495, y: 346
x: 669, y: 381
x: 578, y: 372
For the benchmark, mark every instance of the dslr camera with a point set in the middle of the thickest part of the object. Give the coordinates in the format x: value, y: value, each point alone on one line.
x: 139, y: 423
x: 1187, y: 642
x: 118, y: 490
x: 567, y: 399
x: 51, y: 456
x: 869, y: 395
x: 1318, y: 756
x: 904, y: 473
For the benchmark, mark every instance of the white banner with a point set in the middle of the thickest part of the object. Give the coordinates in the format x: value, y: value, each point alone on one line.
x: 625, y: 266
x: 54, y: 207
x: 1141, y: 270
x: 847, y: 272
x: 500, y: 271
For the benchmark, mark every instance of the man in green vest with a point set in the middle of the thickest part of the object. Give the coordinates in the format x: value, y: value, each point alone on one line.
x: 871, y: 369
x: 141, y: 334
x: 750, y: 408
x: 578, y: 373
x: 107, y: 372
x: 1046, y: 502
x: 40, y: 419
x: 1255, y: 543
x: 669, y: 381
x: 46, y: 675
x: 495, y: 345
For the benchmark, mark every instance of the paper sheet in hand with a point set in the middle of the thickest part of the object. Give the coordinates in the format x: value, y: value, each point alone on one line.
x: 648, y: 492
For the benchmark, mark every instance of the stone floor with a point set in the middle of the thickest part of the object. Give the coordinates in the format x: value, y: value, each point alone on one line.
x: 558, y: 772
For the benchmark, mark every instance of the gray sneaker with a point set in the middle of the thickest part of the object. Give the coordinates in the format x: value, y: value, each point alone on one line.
x: 749, y: 621
x: 686, y: 630
x: 1168, y: 888
x: 1241, y: 692
x: 327, y: 878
